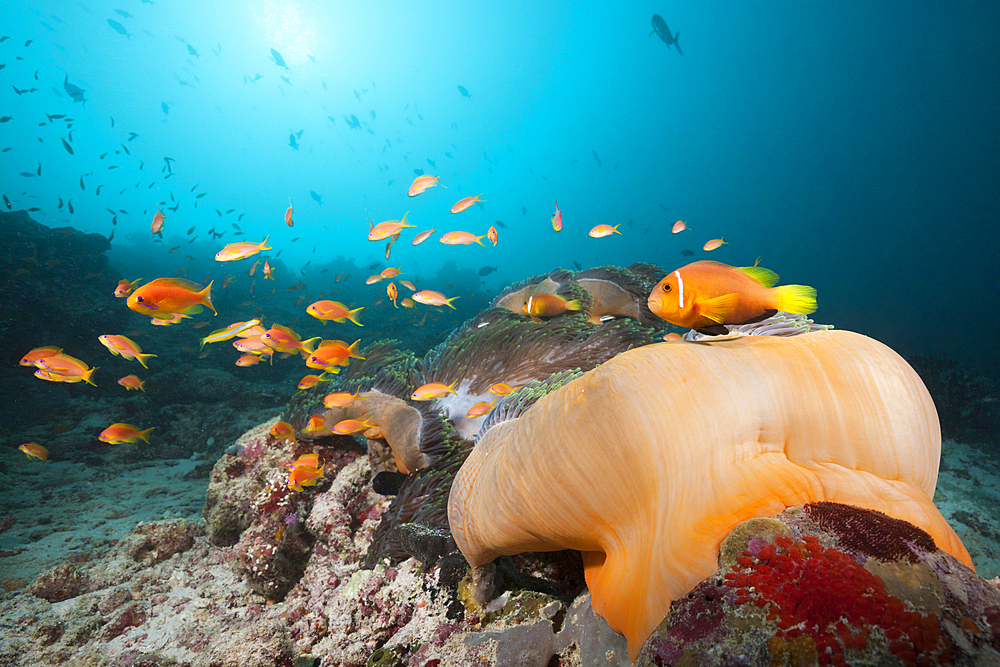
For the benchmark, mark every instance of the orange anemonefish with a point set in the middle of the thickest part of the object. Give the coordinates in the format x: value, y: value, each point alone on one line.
x: 707, y: 295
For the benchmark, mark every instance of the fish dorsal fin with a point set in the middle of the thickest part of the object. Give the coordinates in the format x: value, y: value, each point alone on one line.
x: 183, y: 283
x: 718, y: 308
x: 286, y: 330
x: 766, y: 277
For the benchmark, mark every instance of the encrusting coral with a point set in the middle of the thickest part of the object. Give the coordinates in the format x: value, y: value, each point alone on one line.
x: 675, y: 444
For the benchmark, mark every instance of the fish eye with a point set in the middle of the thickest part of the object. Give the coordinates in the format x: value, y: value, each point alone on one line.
x: 666, y: 288
x: 139, y: 299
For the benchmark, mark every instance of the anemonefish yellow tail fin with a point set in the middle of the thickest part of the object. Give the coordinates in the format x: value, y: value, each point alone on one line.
x: 574, y: 305
x: 765, y: 277
x: 718, y: 308
x: 797, y: 299
x: 206, y: 295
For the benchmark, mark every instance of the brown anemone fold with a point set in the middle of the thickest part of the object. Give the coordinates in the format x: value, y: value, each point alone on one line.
x: 646, y: 463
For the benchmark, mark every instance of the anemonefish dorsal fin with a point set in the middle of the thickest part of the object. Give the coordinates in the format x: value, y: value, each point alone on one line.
x: 766, y: 277
x: 718, y: 308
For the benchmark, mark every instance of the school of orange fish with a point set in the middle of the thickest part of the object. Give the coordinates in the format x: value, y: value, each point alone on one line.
x: 703, y: 295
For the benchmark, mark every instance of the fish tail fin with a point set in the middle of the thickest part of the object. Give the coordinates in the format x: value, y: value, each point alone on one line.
x: 480, y: 242
x: 88, y: 374
x: 352, y: 350
x: 574, y: 305
x: 142, y: 359
x: 206, y: 297
x: 652, y: 33
x: 616, y: 229
x: 263, y: 244
x: 309, y: 345
x: 797, y: 299
x: 678, y: 44
x: 448, y: 301
x: 145, y: 434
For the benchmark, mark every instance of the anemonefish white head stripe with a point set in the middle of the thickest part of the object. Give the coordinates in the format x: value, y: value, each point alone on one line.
x: 680, y: 289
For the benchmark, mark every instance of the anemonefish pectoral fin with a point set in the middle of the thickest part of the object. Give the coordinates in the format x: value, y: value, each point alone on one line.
x: 718, y: 308
x: 713, y: 330
x: 766, y: 277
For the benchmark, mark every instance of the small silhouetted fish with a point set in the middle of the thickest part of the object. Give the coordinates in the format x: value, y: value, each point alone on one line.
x: 33, y: 209
x: 192, y: 51
x: 6, y: 202
x: 132, y: 135
x: 278, y: 60
x: 285, y: 79
x: 69, y: 149
x: 596, y: 158
x: 464, y: 92
x: 499, y: 223
x: 119, y: 28
x: 578, y: 266
x: 123, y: 13
x: 166, y: 109
x: 487, y: 270
x: 664, y: 207
x: 82, y: 186
x: 686, y: 252
x: 291, y: 141
x: 5, y: 119
x: 69, y: 205
x: 431, y: 163
x: 73, y: 91
x: 99, y: 189
x: 418, y: 172
x: 357, y: 95
x: 388, y: 482
x: 38, y: 172
x: 524, y: 211
x: 316, y: 196
x: 200, y: 195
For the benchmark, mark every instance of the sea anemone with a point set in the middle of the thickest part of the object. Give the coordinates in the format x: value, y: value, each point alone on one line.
x: 646, y: 463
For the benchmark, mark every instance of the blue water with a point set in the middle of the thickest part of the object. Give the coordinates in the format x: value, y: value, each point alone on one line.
x: 850, y: 146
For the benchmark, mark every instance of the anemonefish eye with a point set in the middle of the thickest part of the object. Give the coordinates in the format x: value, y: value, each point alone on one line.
x: 666, y: 288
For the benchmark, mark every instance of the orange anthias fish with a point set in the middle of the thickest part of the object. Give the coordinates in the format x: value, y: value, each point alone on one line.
x: 64, y: 368
x: 460, y: 238
x: 241, y: 250
x: 501, y: 389
x: 304, y: 475
x: 311, y: 380
x: 408, y: 285
x: 157, y: 224
x: 125, y: 287
x: 332, y: 353
x: 466, y: 202
x: 351, y: 426
x: 128, y: 349
x: 421, y: 183
x: 713, y: 244
x: 267, y: 271
x: 341, y: 399
x: 600, y: 231
x: 707, y: 295
x: 491, y: 234
x: 164, y: 297
x: 548, y: 305
x: 316, y: 424
x: 288, y: 213
x: 423, y: 236
x: 384, y: 230
x: 247, y: 360
x: 392, y: 293
x: 479, y: 409
x: 557, y: 219
x: 39, y: 353
x: 334, y: 310
x: 431, y: 390
x: 678, y: 227
x: 282, y: 431
x: 311, y: 460
x: 390, y: 272
x: 35, y: 451
x: 118, y: 433
x: 132, y: 382
x: 283, y: 339
x: 429, y: 297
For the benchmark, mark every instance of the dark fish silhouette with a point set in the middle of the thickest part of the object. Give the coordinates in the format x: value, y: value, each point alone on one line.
x: 5, y: 119
x: 192, y: 51
x: 69, y: 149
x: 353, y: 122
x: 119, y: 28
x: 372, y: 114
x: 431, y: 163
x: 166, y: 109
x: 278, y: 60
x: 596, y: 158
x: 123, y: 13
x: 487, y: 270
x: 660, y: 28
x: 316, y: 196
x: 687, y: 253
x: 464, y: 92
x: 292, y: 142
x: 6, y: 202
x: 73, y: 91
x: 285, y: 79
x: 499, y: 223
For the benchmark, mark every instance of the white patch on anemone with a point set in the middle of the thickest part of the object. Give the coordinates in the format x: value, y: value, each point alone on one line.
x: 455, y: 406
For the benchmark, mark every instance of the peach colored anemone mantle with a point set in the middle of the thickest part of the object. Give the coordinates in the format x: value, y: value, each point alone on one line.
x: 646, y: 463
